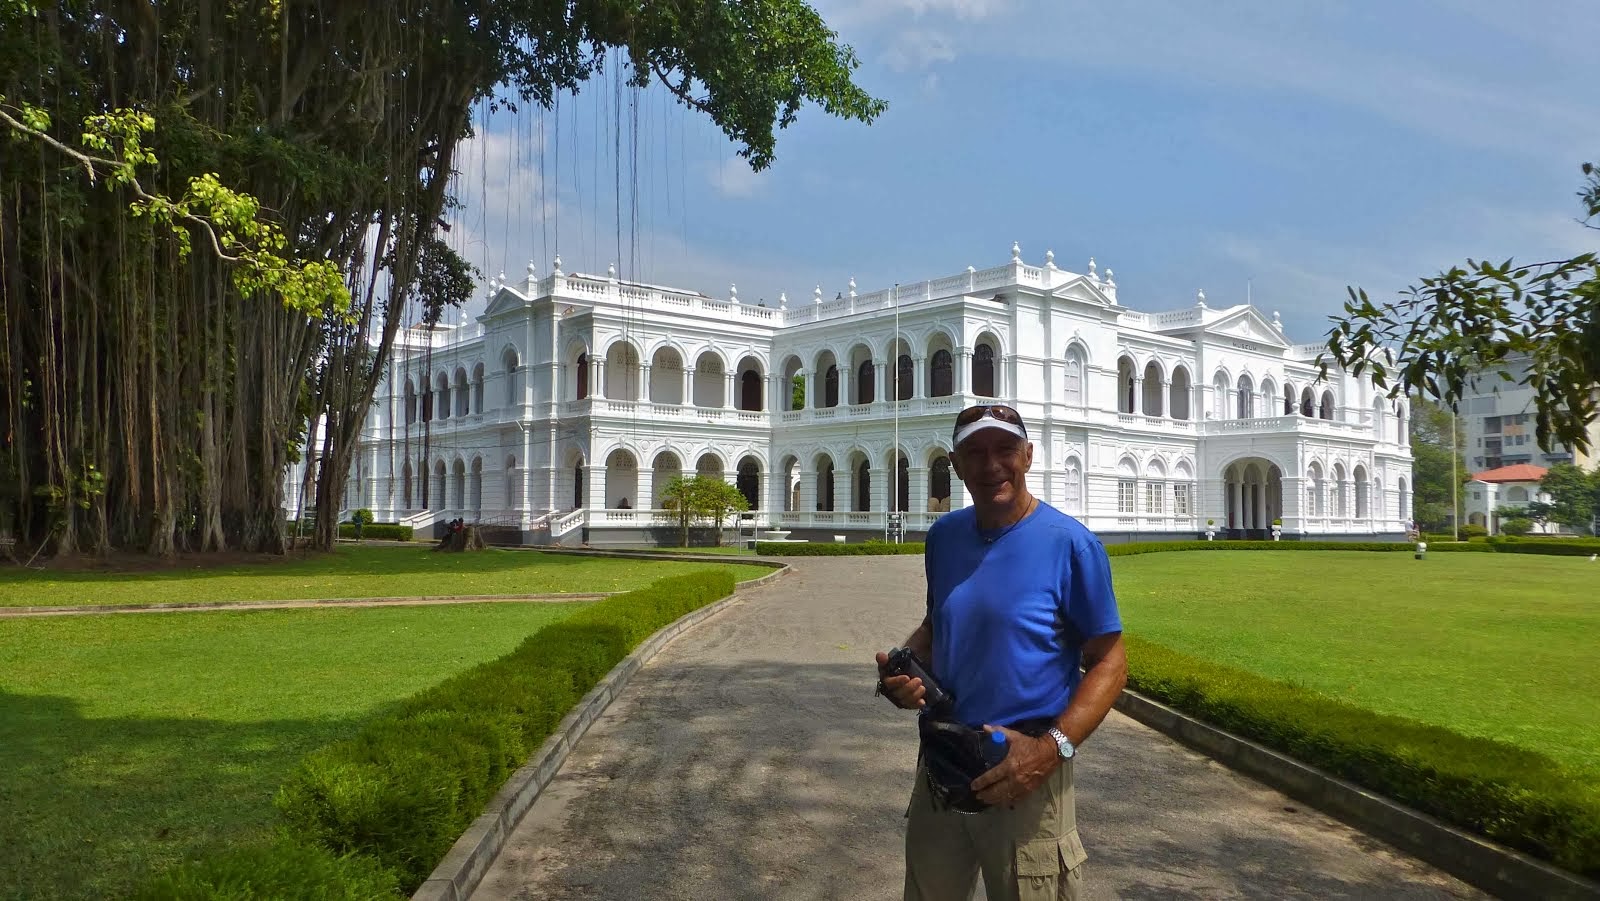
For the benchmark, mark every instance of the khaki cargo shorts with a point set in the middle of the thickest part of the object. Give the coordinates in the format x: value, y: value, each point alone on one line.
x: 1028, y: 853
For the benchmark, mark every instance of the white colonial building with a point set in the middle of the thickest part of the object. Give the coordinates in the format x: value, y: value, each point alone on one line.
x: 567, y: 406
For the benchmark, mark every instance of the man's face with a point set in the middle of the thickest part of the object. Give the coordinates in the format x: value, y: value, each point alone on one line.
x: 994, y: 466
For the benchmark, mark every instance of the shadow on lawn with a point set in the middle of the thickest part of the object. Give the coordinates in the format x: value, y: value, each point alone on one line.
x: 93, y: 806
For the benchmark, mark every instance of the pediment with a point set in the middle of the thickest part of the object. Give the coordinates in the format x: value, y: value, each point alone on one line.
x: 505, y: 300
x: 1084, y: 290
x: 1245, y: 323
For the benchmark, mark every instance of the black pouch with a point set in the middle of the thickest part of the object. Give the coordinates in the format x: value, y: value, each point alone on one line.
x: 953, y: 754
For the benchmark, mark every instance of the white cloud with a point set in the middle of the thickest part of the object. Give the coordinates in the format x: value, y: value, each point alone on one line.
x: 919, y: 49
x: 734, y: 178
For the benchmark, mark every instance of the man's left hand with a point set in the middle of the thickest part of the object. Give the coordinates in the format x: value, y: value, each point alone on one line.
x: 1027, y: 765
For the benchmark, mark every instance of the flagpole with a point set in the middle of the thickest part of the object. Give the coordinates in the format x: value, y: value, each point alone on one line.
x: 894, y: 475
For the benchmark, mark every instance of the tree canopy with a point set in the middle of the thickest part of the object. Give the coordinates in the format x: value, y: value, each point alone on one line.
x: 1441, y: 333
x: 213, y: 217
x: 1437, y: 472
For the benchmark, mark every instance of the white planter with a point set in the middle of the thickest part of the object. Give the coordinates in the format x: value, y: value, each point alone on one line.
x: 1211, y: 534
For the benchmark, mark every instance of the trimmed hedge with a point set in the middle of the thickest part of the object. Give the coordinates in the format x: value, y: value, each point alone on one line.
x: 1573, y: 548
x: 1517, y: 797
x: 398, y: 794
x: 836, y: 549
x: 387, y: 531
x: 1156, y: 547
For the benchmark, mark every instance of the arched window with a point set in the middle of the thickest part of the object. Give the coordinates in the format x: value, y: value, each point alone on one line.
x: 475, y: 486
x: 1178, y: 403
x: 477, y: 388
x: 405, y: 481
x: 830, y: 387
x: 577, y: 485
x: 905, y: 377
x: 864, y: 487
x: 750, y: 392
x: 748, y: 481
x: 583, y: 376
x: 441, y: 390
x: 513, y: 388
x: 411, y: 409
x: 513, y: 484
x: 1125, y: 385
x: 942, y: 375
x: 1288, y: 399
x: 1308, y: 403
x: 825, y: 485
x: 1401, y: 426
x: 1246, y: 398
x: 865, y: 383
x: 1404, y: 499
x: 939, y: 485
x: 1339, y: 506
x: 983, y: 371
x: 1327, y: 410
x: 1153, y: 389
x: 1219, y: 396
x: 438, y: 485
x: 1075, y: 368
x: 462, y: 393
x: 1074, y: 486
x: 1363, y: 503
x: 902, y: 484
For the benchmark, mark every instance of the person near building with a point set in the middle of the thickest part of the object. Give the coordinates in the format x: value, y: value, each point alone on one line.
x: 1019, y: 598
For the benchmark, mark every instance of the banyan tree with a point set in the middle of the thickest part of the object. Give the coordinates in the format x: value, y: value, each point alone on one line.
x: 214, y: 214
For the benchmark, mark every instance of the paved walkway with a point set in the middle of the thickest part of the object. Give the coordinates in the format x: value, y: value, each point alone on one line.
x: 751, y: 760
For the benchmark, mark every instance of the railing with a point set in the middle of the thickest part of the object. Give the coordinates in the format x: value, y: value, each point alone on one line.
x: 567, y: 522
x: 605, y: 406
x: 1291, y: 423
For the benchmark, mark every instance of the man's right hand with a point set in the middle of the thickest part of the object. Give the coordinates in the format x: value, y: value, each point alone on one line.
x: 904, y: 691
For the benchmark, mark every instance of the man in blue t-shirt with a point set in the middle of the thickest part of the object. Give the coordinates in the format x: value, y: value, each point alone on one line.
x: 1019, y: 598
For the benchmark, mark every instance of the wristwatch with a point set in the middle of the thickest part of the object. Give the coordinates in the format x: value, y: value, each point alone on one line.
x: 1063, y: 743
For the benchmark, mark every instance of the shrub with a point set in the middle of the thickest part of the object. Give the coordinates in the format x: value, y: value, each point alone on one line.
x: 383, y: 530
x: 1555, y: 548
x: 1473, y: 531
x: 1511, y: 795
x: 1517, y: 525
x: 363, y: 516
x: 281, y: 869
x: 411, y: 782
x: 1156, y: 547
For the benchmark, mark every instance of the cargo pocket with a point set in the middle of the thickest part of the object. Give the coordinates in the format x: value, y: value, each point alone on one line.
x: 1050, y: 869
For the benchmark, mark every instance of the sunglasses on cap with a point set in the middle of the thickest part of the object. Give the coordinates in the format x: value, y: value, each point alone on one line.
x: 988, y: 416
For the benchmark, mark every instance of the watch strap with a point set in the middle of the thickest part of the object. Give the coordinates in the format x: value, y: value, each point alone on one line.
x: 1064, y: 746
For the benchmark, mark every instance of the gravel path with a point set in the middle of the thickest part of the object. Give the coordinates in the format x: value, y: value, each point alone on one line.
x: 751, y: 760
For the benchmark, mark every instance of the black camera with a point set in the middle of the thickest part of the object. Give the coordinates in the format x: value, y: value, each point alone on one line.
x: 903, y: 662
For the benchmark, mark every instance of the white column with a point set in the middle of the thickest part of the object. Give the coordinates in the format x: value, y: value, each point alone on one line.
x: 918, y: 477
x: 688, y: 387
x: 647, y: 489
x: 729, y: 379
x: 595, y: 488
x: 963, y: 373
x: 919, y: 377
x: 844, y: 488
x: 597, y: 378
x: 845, y: 398
x: 880, y: 388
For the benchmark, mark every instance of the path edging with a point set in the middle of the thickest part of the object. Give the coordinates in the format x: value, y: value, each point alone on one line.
x: 1475, y: 860
x: 464, y: 866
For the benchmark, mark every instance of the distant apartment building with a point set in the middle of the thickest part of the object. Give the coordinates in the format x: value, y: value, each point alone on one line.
x: 1498, y: 420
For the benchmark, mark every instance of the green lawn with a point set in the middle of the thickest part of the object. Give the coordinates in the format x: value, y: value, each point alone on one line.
x: 350, y: 572
x: 1495, y: 645
x: 129, y: 741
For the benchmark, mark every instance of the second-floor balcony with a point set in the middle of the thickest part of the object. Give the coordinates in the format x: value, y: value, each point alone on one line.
x: 1289, y: 424
x: 658, y: 412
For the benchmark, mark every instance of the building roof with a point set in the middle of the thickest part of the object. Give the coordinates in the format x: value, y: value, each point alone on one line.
x: 1521, y: 472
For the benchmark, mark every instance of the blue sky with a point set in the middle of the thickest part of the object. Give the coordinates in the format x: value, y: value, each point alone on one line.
x: 1299, y: 147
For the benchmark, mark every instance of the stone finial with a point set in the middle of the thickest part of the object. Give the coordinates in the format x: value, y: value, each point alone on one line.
x: 783, y: 300
x: 533, y: 274
x: 1277, y: 321
x: 501, y: 278
x: 555, y: 266
x: 1093, y: 273
x: 611, y: 271
x: 733, y: 293
x: 1049, y: 259
x: 852, y: 286
x: 1110, y: 278
x: 1200, y: 299
x: 1016, y: 252
x: 816, y: 294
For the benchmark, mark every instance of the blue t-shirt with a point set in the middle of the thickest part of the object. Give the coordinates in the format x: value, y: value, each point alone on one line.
x: 1010, y: 617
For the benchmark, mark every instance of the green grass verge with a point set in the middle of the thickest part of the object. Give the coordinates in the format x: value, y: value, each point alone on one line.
x: 1491, y: 645
x: 131, y: 742
x: 1512, y: 795
x: 836, y: 549
x: 351, y: 572
x: 400, y: 792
